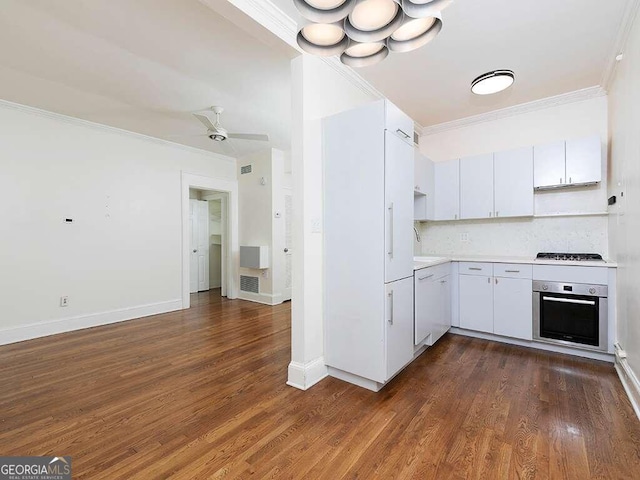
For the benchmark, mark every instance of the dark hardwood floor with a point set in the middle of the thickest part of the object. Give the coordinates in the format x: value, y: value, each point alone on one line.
x: 201, y: 394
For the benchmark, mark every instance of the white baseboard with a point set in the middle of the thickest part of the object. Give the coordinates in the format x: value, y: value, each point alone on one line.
x: 306, y: 375
x: 603, y: 356
x: 629, y: 382
x: 264, y: 298
x: 52, y: 327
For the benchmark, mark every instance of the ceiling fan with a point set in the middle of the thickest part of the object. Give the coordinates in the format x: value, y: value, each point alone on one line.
x: 217, y: 133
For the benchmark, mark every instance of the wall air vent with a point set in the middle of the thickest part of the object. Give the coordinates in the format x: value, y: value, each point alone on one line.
x: 246, y: 169
x: 416, y: 139
x: 249, y: 284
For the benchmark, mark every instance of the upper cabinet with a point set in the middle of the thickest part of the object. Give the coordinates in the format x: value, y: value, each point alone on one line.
x: 513, y: 183
x: 570, y: 163
x: 423, y: 187
x: 476, y: 187
x: 584, y: 160
x: 447, y: 190
x: 497, y: 185
x: 398, y: 122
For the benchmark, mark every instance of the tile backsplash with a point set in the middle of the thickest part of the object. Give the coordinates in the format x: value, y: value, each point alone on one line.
x: 516, y: 237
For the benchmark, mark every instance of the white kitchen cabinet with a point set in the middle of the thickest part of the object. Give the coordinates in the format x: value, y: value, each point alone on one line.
x: 584, y: 160
x: 368, y: 244
x: 423, y: 206
x: 513, y: 183
x: 447, y: 190
x: 476, y: 187
x: 398, y: 175
x: 574, y: 162
x: 432, y: 311
x: 549, y: 165
x: 513, y: 307
x: 476, y: 302
x: 399, y: 325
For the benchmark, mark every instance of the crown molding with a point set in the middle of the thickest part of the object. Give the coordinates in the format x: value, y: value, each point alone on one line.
x: 106, y: 128
x: 620, y: 43
x: 565, y: 98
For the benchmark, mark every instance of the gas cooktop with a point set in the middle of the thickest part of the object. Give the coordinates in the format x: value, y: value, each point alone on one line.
x: 571, y: 257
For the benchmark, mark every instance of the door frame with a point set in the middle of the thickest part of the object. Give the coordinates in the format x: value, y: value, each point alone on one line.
x: 230, y: 187
x: 224, y: 219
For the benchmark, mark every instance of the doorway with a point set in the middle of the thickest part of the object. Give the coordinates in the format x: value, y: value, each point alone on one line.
x: 209, y: 236
x: 208, y: 241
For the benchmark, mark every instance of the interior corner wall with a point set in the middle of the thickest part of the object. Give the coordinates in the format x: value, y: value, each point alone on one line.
x: 624, y: 183
x: 121, y: 257
x: 319, y: 90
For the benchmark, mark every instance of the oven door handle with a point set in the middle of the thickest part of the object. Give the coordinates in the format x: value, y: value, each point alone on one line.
x: 569, y: 300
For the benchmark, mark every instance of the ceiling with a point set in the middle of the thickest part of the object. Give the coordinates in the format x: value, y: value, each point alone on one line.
x: 554, y: 47
x: 144, y: 65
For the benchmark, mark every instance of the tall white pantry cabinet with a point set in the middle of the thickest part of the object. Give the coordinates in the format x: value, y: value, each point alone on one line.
x: 368, y: 243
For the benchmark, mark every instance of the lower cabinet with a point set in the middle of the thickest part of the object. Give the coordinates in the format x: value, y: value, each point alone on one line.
x: 398, y: 325
x: 500, y: 303
x: 476, y: 303
x: 513, y: 307
x: 432, y: 315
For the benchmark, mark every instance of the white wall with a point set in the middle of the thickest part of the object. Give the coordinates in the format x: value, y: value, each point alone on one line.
x: 526, y: 237
x: 258, y: 225
x: 624, y: 224
x: 318, y: 91
x: 122, y: 256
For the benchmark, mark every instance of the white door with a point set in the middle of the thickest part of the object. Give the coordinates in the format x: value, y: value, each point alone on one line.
x: 584, y: 160
x: 199, y: 244
x: 513, y: 308
x: 549, y: 164
x: 513, y: 183
x: 476, y: 303
x: 288, y: 236
x: 476, y: 186
x: 399, y: 324
x: 398, y: 167
x: 447, y: 190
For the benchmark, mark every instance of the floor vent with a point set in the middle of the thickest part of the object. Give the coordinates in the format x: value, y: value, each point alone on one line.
x: 249, y: 284
x: 246, y: 169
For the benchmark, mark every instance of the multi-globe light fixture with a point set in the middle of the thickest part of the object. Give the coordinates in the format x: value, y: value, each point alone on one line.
x: 363, y: 32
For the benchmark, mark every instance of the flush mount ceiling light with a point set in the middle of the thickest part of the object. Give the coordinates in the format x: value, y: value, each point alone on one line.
x: 424, y: 8
x: 364, y: 54
x: 363, y: 32
x: 325, y: 11
x: 322, y: 39
x: 493, y: 82
x: 414, y: 33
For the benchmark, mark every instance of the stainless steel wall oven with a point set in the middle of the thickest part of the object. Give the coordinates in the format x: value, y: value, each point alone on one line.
x: 570, y: 314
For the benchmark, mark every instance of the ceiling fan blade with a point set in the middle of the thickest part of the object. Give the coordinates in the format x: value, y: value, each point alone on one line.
x: 205, y: 120
x: 249, y: 136
x: 188, y: 135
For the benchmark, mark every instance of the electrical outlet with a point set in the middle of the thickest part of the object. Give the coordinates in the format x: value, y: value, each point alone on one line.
x: 64, y: 301
x: 316, y: 225
x: 464, y: 237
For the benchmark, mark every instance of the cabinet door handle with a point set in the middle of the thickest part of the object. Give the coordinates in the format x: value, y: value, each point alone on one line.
x: 425, y: 277
x: 488, y: 279
x: 390, y: 294
x: 391, y: 230
x: 402, y: 132
x: 570, y: 180
x: 512, y: 271
x: 496, y: 281
x: 471, y: 268
x: 443, y: 281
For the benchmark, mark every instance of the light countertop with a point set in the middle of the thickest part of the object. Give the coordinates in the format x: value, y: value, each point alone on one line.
x: 430, y: 261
